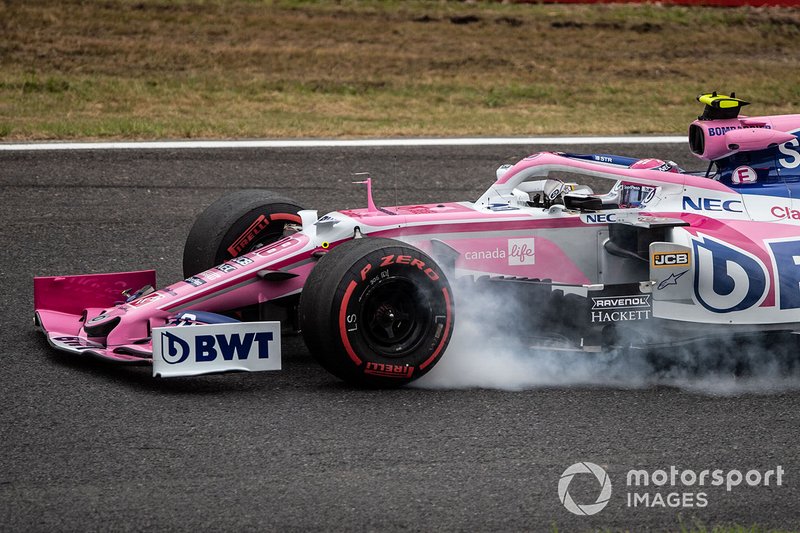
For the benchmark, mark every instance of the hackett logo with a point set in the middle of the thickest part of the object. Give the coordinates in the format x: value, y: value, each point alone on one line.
x: 521, y: 252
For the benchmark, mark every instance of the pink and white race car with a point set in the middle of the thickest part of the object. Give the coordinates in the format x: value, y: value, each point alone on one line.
x: 665, y: 256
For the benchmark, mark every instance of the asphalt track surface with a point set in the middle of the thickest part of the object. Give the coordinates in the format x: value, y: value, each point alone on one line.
x: 87, y: 446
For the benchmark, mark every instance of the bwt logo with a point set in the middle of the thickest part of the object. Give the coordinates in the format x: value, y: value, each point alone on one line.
x: 207, y: 348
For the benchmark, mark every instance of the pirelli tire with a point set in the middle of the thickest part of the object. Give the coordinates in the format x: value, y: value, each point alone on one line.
x: 377, y: 312
x: 235, y: 224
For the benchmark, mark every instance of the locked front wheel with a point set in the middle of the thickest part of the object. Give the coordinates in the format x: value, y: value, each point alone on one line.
x: 377, y: 312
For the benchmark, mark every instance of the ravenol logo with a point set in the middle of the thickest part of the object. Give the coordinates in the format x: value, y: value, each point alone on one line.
x: 589, y: 508
x: 207, y: 348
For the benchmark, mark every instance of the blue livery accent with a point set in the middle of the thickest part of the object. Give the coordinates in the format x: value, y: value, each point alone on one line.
x: 738, y: 280
x: 787, y: 256
x: 604, y: 158
x: 777, y: 168
x: 204, y: 317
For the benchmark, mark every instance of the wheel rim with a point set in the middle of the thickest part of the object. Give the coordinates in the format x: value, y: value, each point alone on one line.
x: 395, y: 317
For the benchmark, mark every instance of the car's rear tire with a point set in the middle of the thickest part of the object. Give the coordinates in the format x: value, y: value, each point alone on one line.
x: 235, y: 224
x: 377, y: 312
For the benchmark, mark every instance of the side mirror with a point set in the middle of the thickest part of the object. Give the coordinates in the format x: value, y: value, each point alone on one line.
x: 501, y: 170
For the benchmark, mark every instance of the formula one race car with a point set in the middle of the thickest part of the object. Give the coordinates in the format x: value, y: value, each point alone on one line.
x: 664, y: 256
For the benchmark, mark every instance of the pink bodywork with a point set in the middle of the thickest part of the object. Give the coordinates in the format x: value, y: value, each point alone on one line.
x: 64, y: 304
x: 745, y: 134
x: 484, y: 239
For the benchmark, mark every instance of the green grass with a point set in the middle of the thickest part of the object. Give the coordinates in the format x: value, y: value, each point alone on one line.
x: 700, y: 528
x: 735, y: 528
x: 148, y: 69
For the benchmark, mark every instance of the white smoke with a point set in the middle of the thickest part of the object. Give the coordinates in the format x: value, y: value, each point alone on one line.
x: 487, y: 352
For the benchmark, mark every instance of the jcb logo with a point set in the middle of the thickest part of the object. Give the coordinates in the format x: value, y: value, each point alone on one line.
x: 670, y: 259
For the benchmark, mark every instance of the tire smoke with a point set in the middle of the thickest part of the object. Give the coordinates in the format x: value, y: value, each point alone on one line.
x: 493, y: 348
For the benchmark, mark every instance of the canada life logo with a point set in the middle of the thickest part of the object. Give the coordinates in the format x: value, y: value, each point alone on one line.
x: 521, y: 252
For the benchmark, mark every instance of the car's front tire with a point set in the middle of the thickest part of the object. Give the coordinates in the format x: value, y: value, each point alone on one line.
x: 235, y: 224
x: 377, y: 312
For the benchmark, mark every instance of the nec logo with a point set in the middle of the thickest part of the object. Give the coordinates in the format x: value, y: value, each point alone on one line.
x: 669, y: 259
x: 207, y: 348
x: 601, y: 218
x: 712, y: 204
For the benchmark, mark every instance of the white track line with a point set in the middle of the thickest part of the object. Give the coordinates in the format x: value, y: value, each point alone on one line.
x: 334, y: 143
